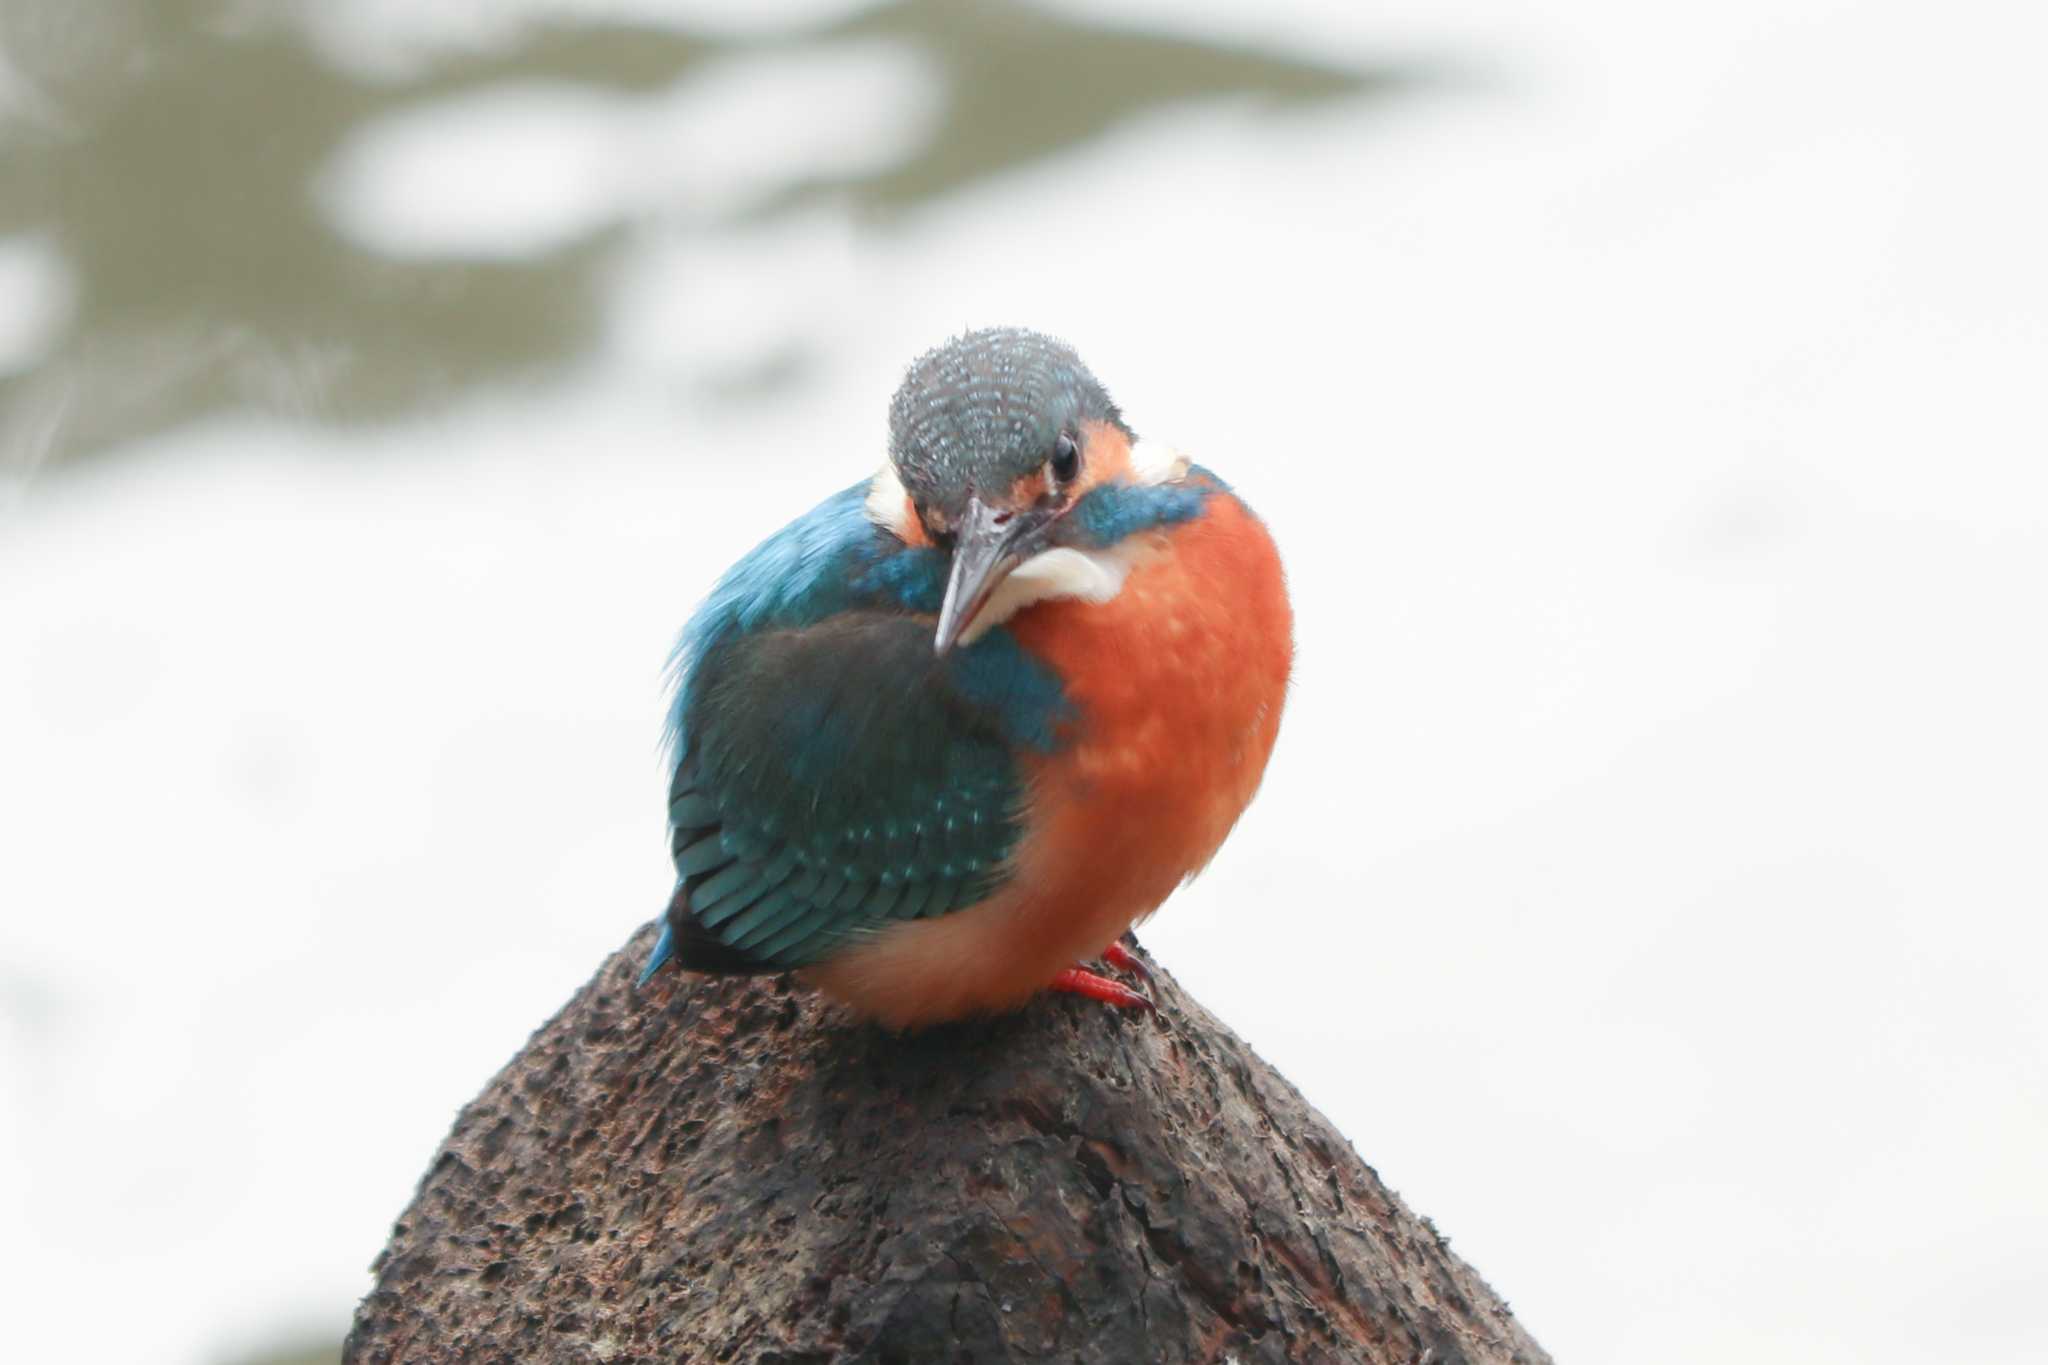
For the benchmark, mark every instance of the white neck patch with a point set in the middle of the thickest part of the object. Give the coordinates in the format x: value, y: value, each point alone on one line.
x: 1156, y: 462
x: 888, y: 501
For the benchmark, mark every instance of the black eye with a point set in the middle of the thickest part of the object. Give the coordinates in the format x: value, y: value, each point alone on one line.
x: 1065, y: 463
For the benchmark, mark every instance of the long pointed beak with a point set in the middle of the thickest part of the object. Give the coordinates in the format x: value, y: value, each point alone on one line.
x: 989, y: 544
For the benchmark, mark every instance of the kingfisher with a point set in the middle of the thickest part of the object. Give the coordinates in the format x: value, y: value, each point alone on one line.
x: 940, y: 741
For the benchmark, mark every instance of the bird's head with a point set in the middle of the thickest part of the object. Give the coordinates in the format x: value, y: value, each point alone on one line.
x: 993, y: 438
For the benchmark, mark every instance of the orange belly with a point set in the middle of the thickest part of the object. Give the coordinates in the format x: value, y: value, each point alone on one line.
x: 1179, y: 682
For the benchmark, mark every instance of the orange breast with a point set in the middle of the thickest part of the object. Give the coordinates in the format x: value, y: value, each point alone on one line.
x: 1178, y: 682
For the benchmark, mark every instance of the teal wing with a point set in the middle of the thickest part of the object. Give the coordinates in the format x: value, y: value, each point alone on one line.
x: 835, y: 777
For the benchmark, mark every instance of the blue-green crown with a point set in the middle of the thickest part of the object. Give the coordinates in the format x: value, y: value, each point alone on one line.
x: 983, y: 410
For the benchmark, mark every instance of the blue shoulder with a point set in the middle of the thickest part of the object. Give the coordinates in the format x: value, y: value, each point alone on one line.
x: 1111, y: 512
x: 798, y: 576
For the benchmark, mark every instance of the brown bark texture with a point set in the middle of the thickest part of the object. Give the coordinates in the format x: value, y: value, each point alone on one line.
x: 732, y: 1169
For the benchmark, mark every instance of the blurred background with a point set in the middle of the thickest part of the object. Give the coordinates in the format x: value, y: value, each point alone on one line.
x: 1648, y: 399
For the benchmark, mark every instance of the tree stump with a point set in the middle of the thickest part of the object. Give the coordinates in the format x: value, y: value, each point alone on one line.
x: 732, y: 1169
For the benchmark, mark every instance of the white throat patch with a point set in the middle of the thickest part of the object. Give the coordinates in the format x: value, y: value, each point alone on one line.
x: 1090, y: 575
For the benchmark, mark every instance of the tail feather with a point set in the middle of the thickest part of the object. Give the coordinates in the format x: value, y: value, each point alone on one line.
x: 664, y: 949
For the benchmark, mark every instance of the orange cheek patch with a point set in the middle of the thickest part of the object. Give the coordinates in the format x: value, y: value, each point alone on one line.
x: 913, y: 532
x: 1105, y: 455
x: 1105, y: 458
x: 1026, y: 490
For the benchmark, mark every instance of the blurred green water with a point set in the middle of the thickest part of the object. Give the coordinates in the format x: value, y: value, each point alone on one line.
x: 170, y: 150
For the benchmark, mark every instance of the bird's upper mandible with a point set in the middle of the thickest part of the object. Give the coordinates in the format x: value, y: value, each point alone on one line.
x: 966, y: 721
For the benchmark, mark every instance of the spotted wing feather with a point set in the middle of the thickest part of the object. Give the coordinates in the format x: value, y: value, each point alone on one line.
x: 834, y: 778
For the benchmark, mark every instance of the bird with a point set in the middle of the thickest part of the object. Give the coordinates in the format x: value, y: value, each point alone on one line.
x: 939, y: 742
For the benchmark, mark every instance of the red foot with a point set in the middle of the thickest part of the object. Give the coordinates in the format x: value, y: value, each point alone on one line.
x: 1075, y: 981
x: 1124, y: 960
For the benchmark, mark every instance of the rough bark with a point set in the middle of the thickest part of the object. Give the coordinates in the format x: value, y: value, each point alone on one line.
x: 733, y: 1170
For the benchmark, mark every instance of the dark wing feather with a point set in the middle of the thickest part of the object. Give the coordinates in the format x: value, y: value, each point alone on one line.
x: 833, y: 778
